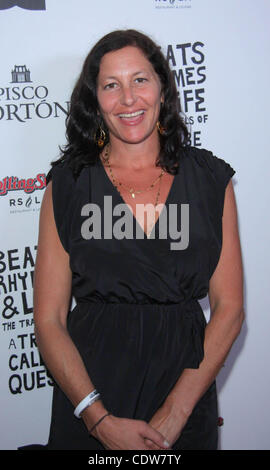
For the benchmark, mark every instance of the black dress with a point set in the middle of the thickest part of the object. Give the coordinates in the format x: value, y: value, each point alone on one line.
x: 137, y: 322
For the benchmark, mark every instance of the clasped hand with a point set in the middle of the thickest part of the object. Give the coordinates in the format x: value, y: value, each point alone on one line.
x: 130, y: 434
x: 169, y: 425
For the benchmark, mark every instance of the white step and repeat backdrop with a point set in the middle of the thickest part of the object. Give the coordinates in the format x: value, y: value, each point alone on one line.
x: 219, y: 52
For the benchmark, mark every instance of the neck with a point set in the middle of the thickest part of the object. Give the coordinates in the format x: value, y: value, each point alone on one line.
x: 134, y: 156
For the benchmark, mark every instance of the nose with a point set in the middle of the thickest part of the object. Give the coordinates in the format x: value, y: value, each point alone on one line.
x: 128, y: 96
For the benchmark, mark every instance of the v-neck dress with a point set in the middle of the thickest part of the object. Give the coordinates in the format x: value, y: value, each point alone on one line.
x: 137, y: 322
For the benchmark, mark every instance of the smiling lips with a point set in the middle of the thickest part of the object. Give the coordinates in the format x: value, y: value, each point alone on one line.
x: 132, y: 118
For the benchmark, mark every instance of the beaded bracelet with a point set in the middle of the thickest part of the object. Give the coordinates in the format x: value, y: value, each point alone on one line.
x: 93, y: 427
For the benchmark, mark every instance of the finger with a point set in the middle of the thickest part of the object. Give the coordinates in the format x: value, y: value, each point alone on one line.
x: 151, y: 445
x: 143, y: 446
x: 156, y: 437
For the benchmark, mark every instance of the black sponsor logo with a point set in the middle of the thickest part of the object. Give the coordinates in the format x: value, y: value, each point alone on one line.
x: 26, y: 4
x: 20, y: 74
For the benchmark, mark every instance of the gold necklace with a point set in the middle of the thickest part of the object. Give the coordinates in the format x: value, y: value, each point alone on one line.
x: 106, y: 159
x: 156, y: 202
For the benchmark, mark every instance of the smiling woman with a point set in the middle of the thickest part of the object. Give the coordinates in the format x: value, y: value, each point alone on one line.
x: 135, y: 359
x: 129, y: 95
x: 85, y: 120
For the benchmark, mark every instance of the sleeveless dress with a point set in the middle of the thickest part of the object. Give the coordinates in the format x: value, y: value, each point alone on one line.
x: 137, y: 322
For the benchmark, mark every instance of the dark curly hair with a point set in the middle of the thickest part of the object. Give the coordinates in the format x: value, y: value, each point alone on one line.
x: 84, y: 120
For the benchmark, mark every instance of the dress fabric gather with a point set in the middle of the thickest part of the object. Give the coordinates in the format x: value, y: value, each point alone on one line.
x: 137, y: 322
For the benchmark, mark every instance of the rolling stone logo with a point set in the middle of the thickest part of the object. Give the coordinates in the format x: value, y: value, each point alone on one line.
x: 27, y: 201
x: 22, y: 100
x: 26, y: 4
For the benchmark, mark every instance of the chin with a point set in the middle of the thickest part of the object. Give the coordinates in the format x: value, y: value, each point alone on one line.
x: 136, y: 138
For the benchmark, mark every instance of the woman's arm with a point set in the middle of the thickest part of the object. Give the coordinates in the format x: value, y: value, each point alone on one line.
x: 227, y: 314
x: 52, y: 294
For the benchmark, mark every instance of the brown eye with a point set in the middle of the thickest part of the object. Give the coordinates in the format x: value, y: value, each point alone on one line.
x: 140, y: 79
x: 110, y: 86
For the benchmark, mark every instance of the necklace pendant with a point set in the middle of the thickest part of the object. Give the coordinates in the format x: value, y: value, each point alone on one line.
x: 133, y: 195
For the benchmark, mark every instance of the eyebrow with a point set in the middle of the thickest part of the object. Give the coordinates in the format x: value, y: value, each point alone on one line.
x: 134, y: 74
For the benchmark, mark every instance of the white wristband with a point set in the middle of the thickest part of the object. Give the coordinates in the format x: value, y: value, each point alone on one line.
x: 87, y: 401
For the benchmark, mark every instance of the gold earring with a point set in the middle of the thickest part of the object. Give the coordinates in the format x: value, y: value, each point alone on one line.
x: 100, y: 141
x: 161, y: 129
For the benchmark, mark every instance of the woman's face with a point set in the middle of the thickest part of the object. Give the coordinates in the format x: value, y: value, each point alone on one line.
x: 129, y: 95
